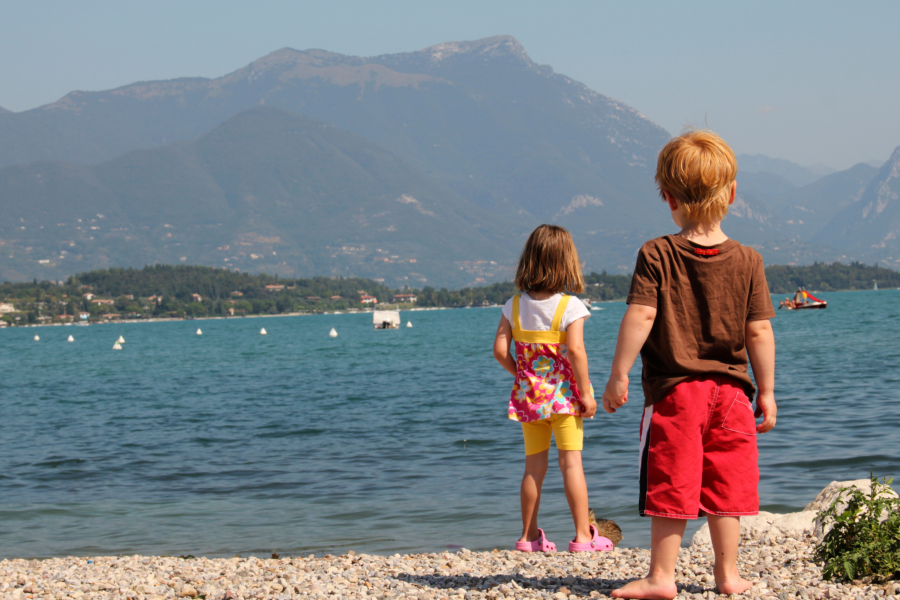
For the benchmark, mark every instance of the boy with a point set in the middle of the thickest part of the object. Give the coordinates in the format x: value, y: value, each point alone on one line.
x: 698, y: 305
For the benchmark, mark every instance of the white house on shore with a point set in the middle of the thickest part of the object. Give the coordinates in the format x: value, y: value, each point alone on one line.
x: 6, y: 308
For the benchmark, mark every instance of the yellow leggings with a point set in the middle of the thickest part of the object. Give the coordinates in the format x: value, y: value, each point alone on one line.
x: 567, y: 429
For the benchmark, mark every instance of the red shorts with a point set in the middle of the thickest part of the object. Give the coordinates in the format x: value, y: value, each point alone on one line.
x: 698, y: 452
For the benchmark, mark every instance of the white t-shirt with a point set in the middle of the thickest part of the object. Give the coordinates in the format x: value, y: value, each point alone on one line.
x: 537, y: 315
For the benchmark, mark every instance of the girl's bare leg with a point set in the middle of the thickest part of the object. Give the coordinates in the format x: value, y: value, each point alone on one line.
x: 725, y: 533
x: 659, y: 584
x: 576, y: 492
x: 532, y: 481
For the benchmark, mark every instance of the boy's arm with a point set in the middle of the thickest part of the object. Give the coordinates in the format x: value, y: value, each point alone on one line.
x: 501, y: 346
x: 578, y: 360
x: 633, y: 332
x: 760, y: 341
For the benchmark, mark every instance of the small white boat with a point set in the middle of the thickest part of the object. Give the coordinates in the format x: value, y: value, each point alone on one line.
x: 37, y: 338
x: 332, y: 333
x: 199, y: 332
x: 596, y: 308
x: 117, y: 346
x: 263, y: 331
x: 409, y: 323
x: 386, y: 319
x: 71, y: 339
x: 121, y: 340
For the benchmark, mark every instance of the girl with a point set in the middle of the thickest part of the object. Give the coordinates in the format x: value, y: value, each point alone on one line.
x: 552, y: 390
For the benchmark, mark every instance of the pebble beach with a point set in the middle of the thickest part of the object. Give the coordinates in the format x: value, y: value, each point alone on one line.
x: 780, y: 567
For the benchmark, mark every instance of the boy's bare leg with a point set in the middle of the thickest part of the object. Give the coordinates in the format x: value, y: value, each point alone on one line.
x: 532, y: 481
x: 725, y: 533
x: 665, y: 541
x: 576, y: 492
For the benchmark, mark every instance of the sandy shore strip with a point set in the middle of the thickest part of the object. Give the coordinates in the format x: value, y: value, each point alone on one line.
x: 781, y: 567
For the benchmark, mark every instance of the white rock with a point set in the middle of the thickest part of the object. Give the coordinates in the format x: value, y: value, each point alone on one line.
x: 832, y: 490
x: 752, y: 528
x: 795, y: 525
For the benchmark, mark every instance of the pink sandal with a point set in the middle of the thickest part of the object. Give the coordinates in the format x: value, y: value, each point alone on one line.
x: 539, y: 545
x: 598, y: 543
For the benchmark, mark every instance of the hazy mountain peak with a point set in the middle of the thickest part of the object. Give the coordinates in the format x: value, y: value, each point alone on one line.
x: 490, y: 46
x: 292, y: 56
x: 888, y: 187
x: 288, y: 64
x: 759, y: 163
x: 3, y: 110
x: 873, y: 222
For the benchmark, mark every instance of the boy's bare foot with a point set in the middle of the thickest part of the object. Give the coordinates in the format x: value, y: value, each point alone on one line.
x: 646, y: 589
x: 733, y: 585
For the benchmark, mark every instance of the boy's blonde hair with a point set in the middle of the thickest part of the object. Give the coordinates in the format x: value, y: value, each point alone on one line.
x: 697, y: 169
x: 549, y: 262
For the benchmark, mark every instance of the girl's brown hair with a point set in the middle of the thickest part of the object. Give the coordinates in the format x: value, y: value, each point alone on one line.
x: 549, y: 262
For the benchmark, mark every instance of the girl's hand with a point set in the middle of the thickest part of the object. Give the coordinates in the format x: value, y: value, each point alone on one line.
x: 589, y: 404
x: 616, y: 394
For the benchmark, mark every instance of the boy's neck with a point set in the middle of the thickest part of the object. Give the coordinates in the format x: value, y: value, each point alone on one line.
x: 703, y: 234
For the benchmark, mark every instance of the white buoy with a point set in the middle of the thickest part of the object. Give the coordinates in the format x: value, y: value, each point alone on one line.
x: 332, y: 333
x: 199, y: 332
x: 71, y: 339
x: 37, y: 338
x: 117, y: 346
x: 409, y: 323
x: 121, y: 340
x: 263, y: 331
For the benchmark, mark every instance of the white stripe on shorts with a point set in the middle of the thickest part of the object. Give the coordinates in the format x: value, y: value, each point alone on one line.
x: 645, y: 431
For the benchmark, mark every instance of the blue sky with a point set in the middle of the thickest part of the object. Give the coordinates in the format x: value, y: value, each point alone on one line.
x: 813, y: 82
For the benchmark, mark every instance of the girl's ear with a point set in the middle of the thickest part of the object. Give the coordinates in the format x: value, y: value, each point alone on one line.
x: 733, y: 192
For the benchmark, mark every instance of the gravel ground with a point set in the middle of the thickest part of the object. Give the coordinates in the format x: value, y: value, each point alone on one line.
x: 780, y: 567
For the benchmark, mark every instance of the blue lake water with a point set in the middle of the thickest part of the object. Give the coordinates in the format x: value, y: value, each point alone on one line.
x: 376, y: 441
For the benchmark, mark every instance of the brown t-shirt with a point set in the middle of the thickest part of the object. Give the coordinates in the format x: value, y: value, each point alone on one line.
x: 704, y: 296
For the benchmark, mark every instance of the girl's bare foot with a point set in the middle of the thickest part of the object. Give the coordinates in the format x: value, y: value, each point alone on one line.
x: 733, y: 585
x: 647, y: 589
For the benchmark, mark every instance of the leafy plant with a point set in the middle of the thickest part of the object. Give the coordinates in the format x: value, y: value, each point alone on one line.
x: 864, y: 540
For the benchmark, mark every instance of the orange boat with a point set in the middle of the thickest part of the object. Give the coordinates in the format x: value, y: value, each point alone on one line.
x: 802, y: 300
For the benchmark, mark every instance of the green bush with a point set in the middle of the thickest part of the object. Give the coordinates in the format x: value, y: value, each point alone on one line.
x: 864, y: 541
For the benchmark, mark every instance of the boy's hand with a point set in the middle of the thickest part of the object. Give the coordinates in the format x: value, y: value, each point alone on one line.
x: 765, y: 407
x: 616, y: 394
x: 589, y: 404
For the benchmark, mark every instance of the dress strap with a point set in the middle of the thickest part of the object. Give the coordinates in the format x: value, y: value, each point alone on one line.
x: 515, y: 312
x: 560, y: 311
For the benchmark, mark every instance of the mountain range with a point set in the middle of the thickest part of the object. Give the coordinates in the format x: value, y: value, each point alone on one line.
x: 429, y: 166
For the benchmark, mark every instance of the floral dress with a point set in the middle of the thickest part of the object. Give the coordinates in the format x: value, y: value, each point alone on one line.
x: 545, y: 384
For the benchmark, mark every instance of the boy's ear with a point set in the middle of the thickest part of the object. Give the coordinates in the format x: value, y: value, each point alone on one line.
x: 673, y: 203
x: 733, y: 192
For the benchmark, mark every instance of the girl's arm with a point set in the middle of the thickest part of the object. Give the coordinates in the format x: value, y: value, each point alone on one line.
x: 579, y: 362
x: 633, y: 332
x: 760, y: 342
x: 501, y: 346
